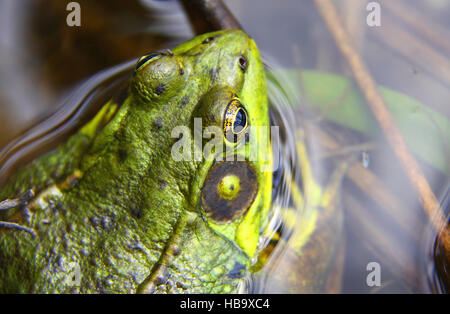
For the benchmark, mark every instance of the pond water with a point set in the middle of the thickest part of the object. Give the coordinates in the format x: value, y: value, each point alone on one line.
x: 42, y: 61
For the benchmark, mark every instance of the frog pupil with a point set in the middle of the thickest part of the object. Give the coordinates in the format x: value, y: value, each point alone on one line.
x: 240, y: 121
x: 143, y: 60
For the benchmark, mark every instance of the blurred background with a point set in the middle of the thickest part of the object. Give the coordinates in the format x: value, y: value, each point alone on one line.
x: 42, y: 59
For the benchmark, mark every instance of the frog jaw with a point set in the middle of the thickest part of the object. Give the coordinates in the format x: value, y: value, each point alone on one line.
x: 197, y: 261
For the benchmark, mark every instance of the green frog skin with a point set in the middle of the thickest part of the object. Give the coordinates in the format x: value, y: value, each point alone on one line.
x: 111, y: 211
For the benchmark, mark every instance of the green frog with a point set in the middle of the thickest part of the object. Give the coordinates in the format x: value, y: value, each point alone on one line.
x: 162, y: 191
x: 128, y: 205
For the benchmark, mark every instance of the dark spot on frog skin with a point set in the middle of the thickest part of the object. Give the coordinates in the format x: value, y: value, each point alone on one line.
x: 103, y: 193
x: 162, y: 184
x: 107, y: 282
x: 72, y: 181
x: 136, y: 211
x: 122, y: 154
x: 184, y: 101
x: 135, y: 244
x: 57, y: 174
x: 70, y: 228
x: 55, y: 207
x: 176, y: 251
x: 160, y: 281
x: 157, y: 124
x: 61, y: 261
x: 213, y: 73
x: 238, y: 271
x: 160, y: 89
x: 120, y: 134
x: 213, y: 118
x: 107, y: 222
x: 180, y: 285
x: 94, y: 221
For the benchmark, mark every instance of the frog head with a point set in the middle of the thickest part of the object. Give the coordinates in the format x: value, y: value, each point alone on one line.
x: 187, y: 158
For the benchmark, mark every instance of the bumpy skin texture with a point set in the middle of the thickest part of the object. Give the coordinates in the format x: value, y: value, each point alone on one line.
x: 113, y: 201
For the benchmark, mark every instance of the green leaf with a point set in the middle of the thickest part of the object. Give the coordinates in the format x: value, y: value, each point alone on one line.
x: 426, y: 131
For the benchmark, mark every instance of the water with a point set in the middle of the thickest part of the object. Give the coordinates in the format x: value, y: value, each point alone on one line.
x: 436, y: 259
x: 76, y: 109
x: 383, y: 221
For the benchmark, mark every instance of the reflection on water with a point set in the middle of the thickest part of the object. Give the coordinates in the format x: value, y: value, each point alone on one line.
x: 436, y: 258
x: 41, y: 58
x: 383, y: 221
x: 75, y: 110
x: 306, y: 254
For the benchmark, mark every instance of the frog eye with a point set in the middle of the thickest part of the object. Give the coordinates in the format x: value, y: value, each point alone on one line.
x: 235, y: 120
x: 146, y: 59
x: 229, y: 190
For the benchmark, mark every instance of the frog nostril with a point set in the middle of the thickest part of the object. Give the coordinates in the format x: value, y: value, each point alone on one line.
x: 243, y: 63
x: 207, y: 40
x: 169, y: 52
x: 160, y: 89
